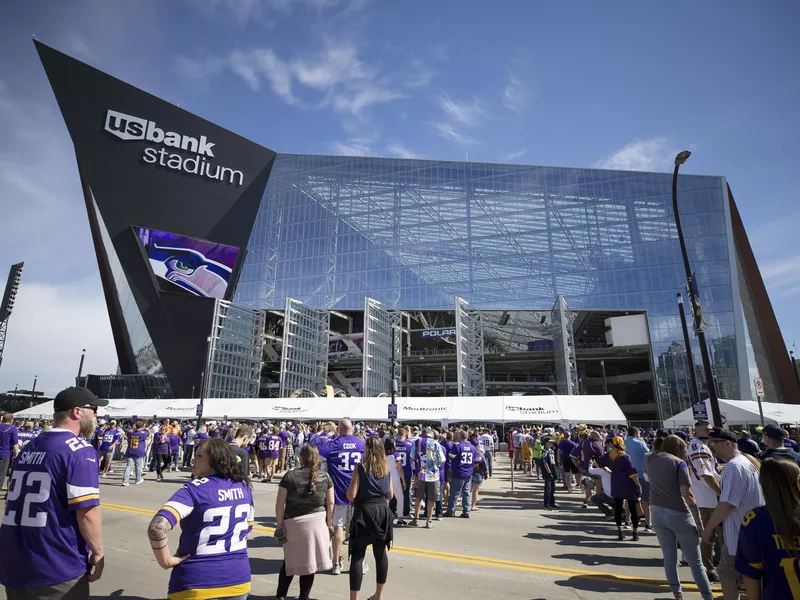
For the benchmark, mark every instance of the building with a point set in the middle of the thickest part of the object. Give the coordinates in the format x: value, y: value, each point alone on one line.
x: 210, y: 245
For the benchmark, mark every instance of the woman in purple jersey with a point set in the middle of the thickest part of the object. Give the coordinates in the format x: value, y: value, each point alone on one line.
x: 216, y: 515
x: 161, y: 452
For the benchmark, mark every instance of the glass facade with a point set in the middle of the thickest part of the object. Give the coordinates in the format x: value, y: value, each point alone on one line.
x: 413, y: 234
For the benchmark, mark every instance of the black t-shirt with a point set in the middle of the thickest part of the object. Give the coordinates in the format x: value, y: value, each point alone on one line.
x: 298, y: 502
x: 243, y: 457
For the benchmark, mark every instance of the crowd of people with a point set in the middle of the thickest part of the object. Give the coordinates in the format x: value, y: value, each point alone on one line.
x: 730, y: 504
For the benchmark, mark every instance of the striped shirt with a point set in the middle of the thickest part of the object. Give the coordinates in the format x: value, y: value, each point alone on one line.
x: 740, y: 487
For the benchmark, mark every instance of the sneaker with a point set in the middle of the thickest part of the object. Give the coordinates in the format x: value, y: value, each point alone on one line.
x: 413, y: 523
x: 555, y: 506
x: 449, y: 514
x: 465, y: 515
x: 400, y: 523
x: 547, y: 507
x: 437, y: 518
x: 103, y: 475
x: 125, y: 484
x: 428, y: 525
x: 365, y: 566
x: 635, y: 536
x: 585, y: 505
x: 138, y: 481
x: 337, y: 569
x: 648, y: 528
x: 713, y: 576
x: 620, y: 536
x: 265, y: 480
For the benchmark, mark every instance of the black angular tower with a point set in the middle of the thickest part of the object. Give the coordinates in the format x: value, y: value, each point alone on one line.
x: 149, y: 166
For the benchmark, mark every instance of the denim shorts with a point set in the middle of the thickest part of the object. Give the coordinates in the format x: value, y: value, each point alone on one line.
x: 477, y: 478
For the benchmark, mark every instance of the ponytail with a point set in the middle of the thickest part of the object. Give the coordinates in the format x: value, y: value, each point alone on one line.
x: 309, y: 458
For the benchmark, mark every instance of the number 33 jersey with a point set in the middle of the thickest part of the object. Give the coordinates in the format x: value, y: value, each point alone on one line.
x: 54, y: 476
x: 216, y: 515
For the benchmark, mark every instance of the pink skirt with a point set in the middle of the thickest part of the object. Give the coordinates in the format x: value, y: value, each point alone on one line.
x: 308, y: 543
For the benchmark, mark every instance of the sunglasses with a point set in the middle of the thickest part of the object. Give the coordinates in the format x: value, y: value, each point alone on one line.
x: 90, y: 407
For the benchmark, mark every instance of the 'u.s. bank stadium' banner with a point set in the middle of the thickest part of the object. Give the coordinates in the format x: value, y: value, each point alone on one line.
x: 489, y: 409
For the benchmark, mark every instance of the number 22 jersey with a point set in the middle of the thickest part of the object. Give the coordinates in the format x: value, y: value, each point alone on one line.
x: 54, y: 476
x: 216, y: 515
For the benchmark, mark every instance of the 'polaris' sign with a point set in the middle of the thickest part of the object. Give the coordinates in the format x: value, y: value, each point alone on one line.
x: 439, y: 333
x: 129, y: 128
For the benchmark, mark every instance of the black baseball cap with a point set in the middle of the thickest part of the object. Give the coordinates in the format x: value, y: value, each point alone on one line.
x: 774, y: 431
x: 76, y: 396
x: 718, y: 433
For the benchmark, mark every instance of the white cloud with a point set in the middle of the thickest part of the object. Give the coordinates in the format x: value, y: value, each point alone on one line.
x: 448, y: 131
x: 49, y: 327
x: 419, y: 74
x: 654, y: 154
x: 515, y: 95
x: 353, y: 147
x: 77, y: 45
x: 782, y: 275
x: 511, y: 156
x: 467, y: 113
x: 401, y: 151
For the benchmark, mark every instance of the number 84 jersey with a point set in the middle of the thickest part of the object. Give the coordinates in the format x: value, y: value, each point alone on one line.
x: 54, y: 476
x: 215, y: 515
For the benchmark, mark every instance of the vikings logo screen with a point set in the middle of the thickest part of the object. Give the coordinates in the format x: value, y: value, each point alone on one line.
x: 200, y: 267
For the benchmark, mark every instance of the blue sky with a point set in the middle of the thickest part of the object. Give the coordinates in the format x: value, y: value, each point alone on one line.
x: 618, y: 85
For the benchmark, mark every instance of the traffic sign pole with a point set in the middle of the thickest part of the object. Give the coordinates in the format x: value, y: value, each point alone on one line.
x: 759, y: 385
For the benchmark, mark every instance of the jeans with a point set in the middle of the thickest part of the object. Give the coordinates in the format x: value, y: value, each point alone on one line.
x: 407, y: 498
x: 489, y: 462
x: 4, y: 463
x: 188, y: 451
x: 539, y: 468
x: 460, y: 486
x: 174, y: 461
x: 133, y: 463
x: 549, y: 490
x: 604, y: 502
x: 674, y: 527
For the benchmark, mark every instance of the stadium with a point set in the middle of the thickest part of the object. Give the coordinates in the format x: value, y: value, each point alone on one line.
x: 233, y: 271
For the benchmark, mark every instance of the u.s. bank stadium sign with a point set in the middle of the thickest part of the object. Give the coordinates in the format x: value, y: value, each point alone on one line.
x: 532, y: 410
x: 439, y: 333
x: 129, y: 128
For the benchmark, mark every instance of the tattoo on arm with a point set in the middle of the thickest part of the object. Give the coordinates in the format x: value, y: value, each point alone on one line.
x: 158, y: 529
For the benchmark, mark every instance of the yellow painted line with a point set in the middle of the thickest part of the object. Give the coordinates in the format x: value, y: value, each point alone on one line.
x: 485, y: 561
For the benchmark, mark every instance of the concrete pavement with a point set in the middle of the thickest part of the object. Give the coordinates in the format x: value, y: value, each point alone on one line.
x: 510, y: 548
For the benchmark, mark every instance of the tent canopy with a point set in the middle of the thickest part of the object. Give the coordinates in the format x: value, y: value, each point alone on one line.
x: 490, y: 409
x: 742, y: 412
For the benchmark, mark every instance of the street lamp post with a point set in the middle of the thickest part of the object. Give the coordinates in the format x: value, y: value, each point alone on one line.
x: 694, y: 394
x: 716, y: 416
x: 794, y: 367
x: 605, y: 382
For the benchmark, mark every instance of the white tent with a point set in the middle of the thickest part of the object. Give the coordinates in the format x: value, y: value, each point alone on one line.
x: 742, y: 412
x: 491, y: 409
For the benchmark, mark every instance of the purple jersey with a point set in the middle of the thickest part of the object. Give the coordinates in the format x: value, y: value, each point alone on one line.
x: 109, y: 437
x: 8, y: 438
x: 342, y: 454
x: 320, y: 439
x: 25, y: 437
x: 269, y: 446
x: 137, y: 443
x: 161, y: 443
x: 403, y: 449
x: 461, y: 458
x: 216, y: 515
x: 201, y: 436
x: 284, y: 435
x: 174, y: 443
x: 53, y: 477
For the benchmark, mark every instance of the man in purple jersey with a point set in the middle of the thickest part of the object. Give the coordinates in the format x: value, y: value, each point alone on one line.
x: 272, y: 450
x: 134, y: 455
x: 9, y: 445
x: 285, y: 440
x: 403, y: 448
x: 51, y: 531
x: 463, y: 456
x: 342, y: 455
x: 108, y: 442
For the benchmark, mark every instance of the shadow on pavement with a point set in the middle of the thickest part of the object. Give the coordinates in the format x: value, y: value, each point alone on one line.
x: 610, y: 584
x: 265, y: 566
x: 121, y: 595
x: 595, y: 560
x: 578, y: 540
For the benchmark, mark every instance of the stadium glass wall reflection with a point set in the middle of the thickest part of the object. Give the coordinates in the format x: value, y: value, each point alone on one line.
x: 413, y: 234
